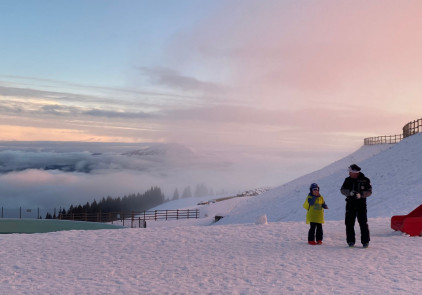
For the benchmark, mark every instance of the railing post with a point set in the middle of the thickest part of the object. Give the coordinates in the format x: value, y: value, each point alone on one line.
x: 132, y: 220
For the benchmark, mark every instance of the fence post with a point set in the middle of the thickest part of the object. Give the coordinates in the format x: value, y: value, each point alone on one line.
x: 132, y: 219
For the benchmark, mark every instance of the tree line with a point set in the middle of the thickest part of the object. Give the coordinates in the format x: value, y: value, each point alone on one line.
x: 130, y: 203
x: 200, y: 191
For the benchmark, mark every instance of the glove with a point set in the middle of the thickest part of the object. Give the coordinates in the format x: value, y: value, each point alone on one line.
x: 353, y: 195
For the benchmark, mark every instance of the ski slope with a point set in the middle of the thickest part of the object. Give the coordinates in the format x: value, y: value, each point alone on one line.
x: 396, y: 177
x: 240, y: 254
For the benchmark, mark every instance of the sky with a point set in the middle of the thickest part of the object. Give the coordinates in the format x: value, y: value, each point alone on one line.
x: 209, y: 72
x: 288, y: 84
x: 258, y: 247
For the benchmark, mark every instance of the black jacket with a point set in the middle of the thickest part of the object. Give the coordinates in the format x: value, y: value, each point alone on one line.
x: 361, y: 185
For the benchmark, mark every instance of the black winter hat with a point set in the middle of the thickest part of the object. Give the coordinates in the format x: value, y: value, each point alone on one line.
x: 313, y: 186
x: 354, y: 168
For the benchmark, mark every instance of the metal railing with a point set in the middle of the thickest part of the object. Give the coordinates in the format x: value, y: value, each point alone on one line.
x: 25, y: 213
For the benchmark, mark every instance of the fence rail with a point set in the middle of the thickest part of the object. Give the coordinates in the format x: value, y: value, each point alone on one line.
x: 383, y: 139
x: 142, y: 215
x: 408, y: 130
x: 25, y: 213
x: 412, y: 128
x: 107, y: 217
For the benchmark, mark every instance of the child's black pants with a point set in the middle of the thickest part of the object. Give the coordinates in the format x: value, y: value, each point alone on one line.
x: 319, y: 233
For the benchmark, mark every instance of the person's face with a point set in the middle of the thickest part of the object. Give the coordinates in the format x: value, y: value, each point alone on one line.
x: 315, y: 192
x: 353, y: 175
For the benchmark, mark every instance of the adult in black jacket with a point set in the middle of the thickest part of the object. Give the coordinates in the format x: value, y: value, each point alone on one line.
x: 357, y: 187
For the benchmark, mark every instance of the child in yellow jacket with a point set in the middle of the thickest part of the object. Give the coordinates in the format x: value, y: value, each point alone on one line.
x: 315, y: 205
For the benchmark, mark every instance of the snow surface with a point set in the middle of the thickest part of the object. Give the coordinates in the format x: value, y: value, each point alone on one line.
x: 259, y: 247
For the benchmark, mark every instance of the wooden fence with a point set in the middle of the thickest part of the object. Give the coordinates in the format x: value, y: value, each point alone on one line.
x: 383, y: 139
x: 123, y: 218
x: 408, y: 130
x: 412, y: 128
x: 131, y: 216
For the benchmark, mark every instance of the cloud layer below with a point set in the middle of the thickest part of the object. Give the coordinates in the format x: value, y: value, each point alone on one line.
x: 57, y: 174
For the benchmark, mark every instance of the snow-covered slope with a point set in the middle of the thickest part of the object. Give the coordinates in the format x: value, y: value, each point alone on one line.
x: 395, y: 172
x: 191, y: 257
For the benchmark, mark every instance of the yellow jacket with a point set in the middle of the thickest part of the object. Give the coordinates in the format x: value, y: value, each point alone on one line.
x: 316, y: 210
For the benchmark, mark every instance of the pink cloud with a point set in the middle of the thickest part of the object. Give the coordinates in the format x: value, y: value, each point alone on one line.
x: 350, y: 67
x: 324, y: 46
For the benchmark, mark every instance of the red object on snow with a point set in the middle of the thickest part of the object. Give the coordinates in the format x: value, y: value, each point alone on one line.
x: 410, y: 224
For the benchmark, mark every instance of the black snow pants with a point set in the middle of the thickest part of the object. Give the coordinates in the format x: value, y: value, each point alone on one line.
x: 319, y: 232
x: 356, y: 209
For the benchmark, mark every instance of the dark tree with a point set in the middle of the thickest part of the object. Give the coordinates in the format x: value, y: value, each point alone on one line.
x: 187, y: 193
x: 175, y: 195
x: 130, y: 203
